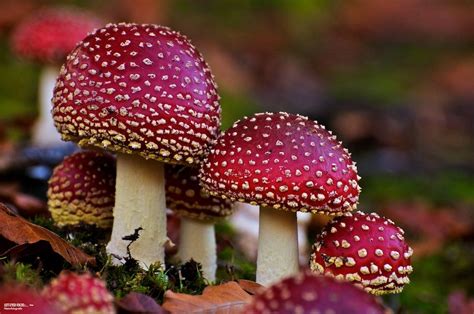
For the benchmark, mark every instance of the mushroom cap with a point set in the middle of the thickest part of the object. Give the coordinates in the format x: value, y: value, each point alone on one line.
x: 366, y: 249
x: 138, y: 89
x: 24, y: 300
x: 82, y: 189
x: 282, y: 160
x: 79, y: 293
x: 187, y: 198
x: 50, y: 34
x: 308, y: 293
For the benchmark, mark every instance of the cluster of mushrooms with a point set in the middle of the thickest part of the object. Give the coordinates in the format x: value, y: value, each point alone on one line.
x: 145, y: 94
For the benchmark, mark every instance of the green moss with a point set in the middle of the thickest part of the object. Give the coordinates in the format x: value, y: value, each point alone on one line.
x: 20, y: 273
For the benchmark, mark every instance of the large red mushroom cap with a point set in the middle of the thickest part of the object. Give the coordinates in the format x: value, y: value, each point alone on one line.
x: 79, y: 293
x: 366, y: 249
x: 285, y: 161
x: 187, y: 198
x: 308, y: 293
x: 50, y: 34
x: 82, y: 190
x: 138, y: 89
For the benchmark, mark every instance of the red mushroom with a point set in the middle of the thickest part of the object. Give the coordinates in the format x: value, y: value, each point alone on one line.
x: 82, y: 190
x: 287, y: 162
x: 24, y: 300
x: 79, y: 293
x: 308, y: 293
x: 47, y: 37
x: 145, y: 92
x: 198, y: 211
x: 366, y: 249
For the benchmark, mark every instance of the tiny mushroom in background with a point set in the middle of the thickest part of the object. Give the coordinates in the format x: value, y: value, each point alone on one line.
x: 365, y: 249
x: 145, y: 92
x: 79, y: 293
x: 285, y: 162
x: 82, y: 190
x: 198, y: 211
x: 47, y: 37
x: 308, y: 293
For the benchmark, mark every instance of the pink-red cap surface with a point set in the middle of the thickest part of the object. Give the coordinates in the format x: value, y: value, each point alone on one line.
x: 366, y: 249
x: 82, y: 189
x: 186, y: 197
x: 79, y: 293
x: 285, y: 161
x: 50, y: 34
x: 138, y: 89
x: 307, y: 293
x: 19, y: 299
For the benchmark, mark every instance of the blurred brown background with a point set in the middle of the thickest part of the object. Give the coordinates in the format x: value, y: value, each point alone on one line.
x: 393, y: 79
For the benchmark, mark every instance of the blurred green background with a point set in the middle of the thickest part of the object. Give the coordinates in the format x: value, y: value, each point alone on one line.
x: 393, y: 79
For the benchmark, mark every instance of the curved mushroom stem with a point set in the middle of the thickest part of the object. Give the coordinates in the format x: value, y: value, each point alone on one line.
x: 277, y: 246
x: 44, y: 133
x: 139, y: 203
x: 198, y: 241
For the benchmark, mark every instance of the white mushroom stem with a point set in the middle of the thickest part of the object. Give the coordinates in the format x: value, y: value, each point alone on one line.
x: 44, y: 133
x: 139, y: 202
x: 277, y: 246
x: 198, y: 241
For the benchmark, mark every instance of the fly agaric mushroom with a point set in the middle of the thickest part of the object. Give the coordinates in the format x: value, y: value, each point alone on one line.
x: 366, y: 249
x: 287, y: 162
x: 79, y: 293
x: 145, y: 92
x: 82, y: 190
x: 308, y: 293
x: 47, y: 37
x: 198, y: 211
x: 24, y: 300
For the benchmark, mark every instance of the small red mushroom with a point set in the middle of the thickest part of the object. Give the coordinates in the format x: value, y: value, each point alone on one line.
x: 47, y: 37
x: 365, y: 249
x: 79, y: 293
x: 82, y: 190
x: 24, y: 300
x: 308, y: 293
x: 198, y: 211
x: 145, y: 92
x: 286, y: 162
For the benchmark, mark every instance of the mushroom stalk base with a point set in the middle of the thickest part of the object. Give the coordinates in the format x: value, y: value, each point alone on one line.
x: 198, y: 241
x: 44, y: 132
x: 277, y: 246
x: 139, y: 202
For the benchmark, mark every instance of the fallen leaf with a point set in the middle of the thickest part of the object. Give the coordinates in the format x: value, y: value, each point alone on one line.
x: 22, y: 232
x: 227, y: 298
x: 249, y: 286
x: 138, y: 303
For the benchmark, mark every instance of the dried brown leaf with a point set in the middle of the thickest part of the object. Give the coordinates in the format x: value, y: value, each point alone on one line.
x: 249, y: 286
x: 22, y: 232
x: 138, y: 303
x: 227, y: 298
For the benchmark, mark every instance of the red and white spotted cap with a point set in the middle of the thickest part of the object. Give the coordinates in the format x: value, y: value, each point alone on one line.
x: 308, y: 293
x: 186, y: 197
x: 366, y: 249
x: 50, y: 34
x: 79, y: 293
x: 138, y: 89
x: 285, y: 161
x: 82, y: 190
